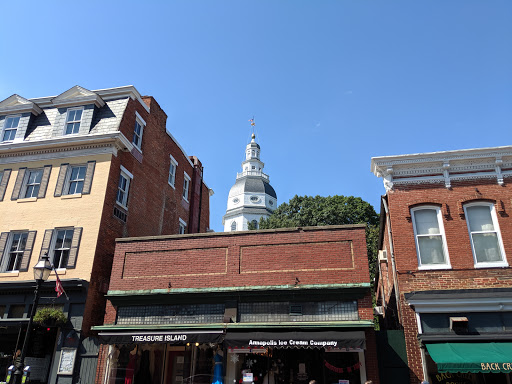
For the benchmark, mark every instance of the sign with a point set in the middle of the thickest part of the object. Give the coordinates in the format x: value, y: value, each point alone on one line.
x: 248, y: 377
x: 293, y: 343
x: 177, y: 338
x: 67, y: 361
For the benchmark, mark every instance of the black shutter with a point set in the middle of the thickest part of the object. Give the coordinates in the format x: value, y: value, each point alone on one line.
x: 28, y: 251
x: 46, y: 244
x: 17, y: 186
x: 75, y: 243
x: 3, y: 184
x: 44, y: 181
x: 88, y: 177
x: 61, y: 179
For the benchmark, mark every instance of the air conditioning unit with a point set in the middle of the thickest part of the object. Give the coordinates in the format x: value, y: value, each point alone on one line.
x: 379, y: 310
x: 383, y: 256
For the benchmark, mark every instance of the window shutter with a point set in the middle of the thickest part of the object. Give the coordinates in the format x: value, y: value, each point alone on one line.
x: 46, y: 244
x: 17, y: 186
x: 61, y: 179
x: 3, y: 184
x: 75, y: 243
x: 88, y: 177
x: 3, y: 241
x: 28, y: 251
x: 44, y: 181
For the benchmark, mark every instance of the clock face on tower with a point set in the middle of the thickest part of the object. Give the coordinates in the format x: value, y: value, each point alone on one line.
x: 255, y: 199
x: 236, y: 200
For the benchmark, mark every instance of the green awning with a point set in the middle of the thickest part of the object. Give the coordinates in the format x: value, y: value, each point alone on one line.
x: 472, y: 357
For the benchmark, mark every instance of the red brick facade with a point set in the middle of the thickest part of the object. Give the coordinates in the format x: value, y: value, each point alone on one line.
x: 401, y: 274
x: 154, y: 207
x: 302, y: 260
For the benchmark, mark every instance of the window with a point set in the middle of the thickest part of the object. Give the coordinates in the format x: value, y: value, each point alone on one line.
x: 233, y: 226
x: 32, y: 183
x: 172, y: 172
x: 138, y: 131
x: 485, y: 235
x: 62, y: 244
x: 186, y: 186
x: 183, y: 227
x: 10, y: 128
x: 123, y: 187
x: 75, y: 179
x: 15, y: 250
x: 73, y: 119
x: 430, y: 239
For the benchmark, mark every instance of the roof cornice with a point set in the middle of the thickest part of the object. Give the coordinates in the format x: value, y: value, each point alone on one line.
x: 16, y: 104
x: 444, y: 167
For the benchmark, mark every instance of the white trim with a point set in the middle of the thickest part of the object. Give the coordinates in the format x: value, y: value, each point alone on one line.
x: 73, y: 121
x: 418, y: 323
x: 442, y: 233
x: 138, y: 116
x: 494, y: 218
x: 186, y: 177
x: 182, y: 224
x: 128, y: 173
x: 362, y: 370
x: 173, y: 159
x: 2, y: 132
x: 175, y: 163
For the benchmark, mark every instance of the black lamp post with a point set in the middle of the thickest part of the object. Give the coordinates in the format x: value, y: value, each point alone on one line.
x: 41, y: 273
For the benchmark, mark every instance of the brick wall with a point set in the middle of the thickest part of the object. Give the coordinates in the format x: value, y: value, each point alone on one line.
x: 154, y: 207
x: 462, y: 274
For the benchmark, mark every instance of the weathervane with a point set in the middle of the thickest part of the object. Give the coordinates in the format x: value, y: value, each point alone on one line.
x: 252, y: 123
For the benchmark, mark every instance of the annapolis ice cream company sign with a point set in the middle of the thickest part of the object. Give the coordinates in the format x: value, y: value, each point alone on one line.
x: 292, y: 343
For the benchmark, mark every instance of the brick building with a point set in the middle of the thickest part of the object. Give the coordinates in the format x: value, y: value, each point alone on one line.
x: 268, y: 306
x: 445, y: 258
x: 77, y: 171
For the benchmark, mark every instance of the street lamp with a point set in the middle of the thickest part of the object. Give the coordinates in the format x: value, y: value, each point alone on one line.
x: 41, y: 273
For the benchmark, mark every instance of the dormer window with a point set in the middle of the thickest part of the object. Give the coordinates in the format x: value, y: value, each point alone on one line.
x: 73, y: 120
x: 10, y: 128
x: 138, y: 131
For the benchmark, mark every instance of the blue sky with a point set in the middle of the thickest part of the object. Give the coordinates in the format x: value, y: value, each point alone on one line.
x: 330, y: 83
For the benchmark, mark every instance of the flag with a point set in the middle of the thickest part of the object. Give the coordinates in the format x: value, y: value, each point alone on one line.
x: 252, y: 121
x: 58, y: 286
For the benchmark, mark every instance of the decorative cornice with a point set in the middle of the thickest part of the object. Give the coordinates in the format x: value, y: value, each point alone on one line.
x: 64, y: 147
x: 76, y: 96
x: 444, y: 167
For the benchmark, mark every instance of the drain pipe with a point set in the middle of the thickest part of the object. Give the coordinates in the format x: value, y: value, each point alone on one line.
x: 393, y: 265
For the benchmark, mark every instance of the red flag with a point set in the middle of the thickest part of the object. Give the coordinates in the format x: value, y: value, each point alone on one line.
x: 58, y: 286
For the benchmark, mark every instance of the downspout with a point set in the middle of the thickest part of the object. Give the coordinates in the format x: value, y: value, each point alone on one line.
x: 200, y: 200
x: 393, y: 265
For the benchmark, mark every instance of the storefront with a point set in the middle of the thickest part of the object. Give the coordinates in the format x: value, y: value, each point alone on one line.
x: 225, y: 356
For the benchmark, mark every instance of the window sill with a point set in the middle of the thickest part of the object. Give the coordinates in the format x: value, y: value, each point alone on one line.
x: 9, y: 274
x: 122, y: 206
x: 137, y: 148
x: 172, y: 186
x: 27, y: 200
x: 498, y: 264
x: 434, y: 267
x: 73, y: 196
x: 60, y: 271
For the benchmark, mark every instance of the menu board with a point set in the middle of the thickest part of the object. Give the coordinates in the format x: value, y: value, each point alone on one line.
x: 67, y: 361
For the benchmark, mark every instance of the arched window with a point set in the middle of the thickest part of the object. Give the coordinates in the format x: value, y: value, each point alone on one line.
x: 233, y: 226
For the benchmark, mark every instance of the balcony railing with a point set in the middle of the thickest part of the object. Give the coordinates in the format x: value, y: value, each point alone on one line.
x: 252, y: 173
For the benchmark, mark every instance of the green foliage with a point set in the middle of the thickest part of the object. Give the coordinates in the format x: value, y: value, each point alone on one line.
x: 251, y: 226
x: 46, y: 316
x: 305, y: 211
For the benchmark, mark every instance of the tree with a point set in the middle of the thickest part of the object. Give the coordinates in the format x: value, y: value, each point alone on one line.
x: 304, y: 211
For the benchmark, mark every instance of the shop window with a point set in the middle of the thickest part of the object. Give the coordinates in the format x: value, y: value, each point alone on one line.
x: 485, y: 235
x: 16, y: 311
x: 430, y: 238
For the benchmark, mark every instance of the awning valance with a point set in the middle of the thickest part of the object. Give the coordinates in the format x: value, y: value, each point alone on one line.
x: 472, y: 357
x: 171, y: 337
x: 296, y: 339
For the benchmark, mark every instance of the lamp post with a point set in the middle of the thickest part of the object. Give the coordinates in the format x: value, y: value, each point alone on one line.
x: 41, y: 273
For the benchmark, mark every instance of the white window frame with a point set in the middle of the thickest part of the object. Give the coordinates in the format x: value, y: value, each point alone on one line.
x: 7, y: 251
x: 442, y: 233
x: 10, y: 129
x: 25, y: 184
x: 494, y: 218
x: 54, y: 242
x: 68, y: 181
x: 172, y: 176
x: 129, y: 177
x: 73, y: 121
x: 186, y: 186
x: 142, y: 123
x: 233, y: 226
x: 182, y: 227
